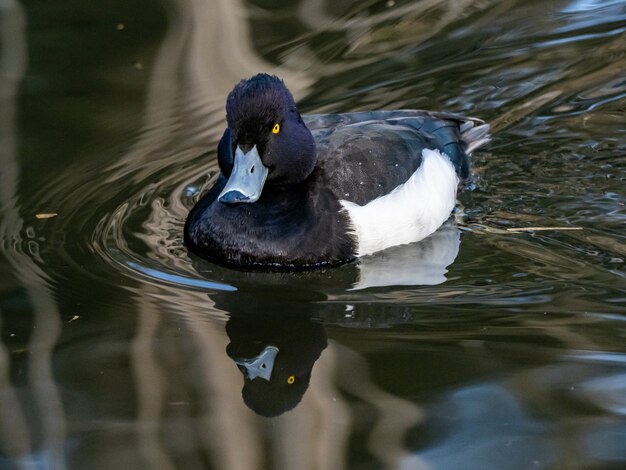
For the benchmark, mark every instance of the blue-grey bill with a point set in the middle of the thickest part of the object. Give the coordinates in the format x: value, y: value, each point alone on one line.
x: 247, y: 178
x: 260, y: 366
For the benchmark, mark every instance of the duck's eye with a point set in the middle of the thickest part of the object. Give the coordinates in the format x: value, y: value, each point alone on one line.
x: 276, y: 129
x: 291, y: 378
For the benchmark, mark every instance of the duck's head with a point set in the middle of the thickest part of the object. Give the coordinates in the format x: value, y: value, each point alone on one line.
x: 269, y: 143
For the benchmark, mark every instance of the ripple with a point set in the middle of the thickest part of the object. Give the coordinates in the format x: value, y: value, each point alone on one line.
x: 179, y: 280
x: 142, y: 236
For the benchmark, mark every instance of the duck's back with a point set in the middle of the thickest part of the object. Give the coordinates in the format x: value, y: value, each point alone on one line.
x: 365, y: 155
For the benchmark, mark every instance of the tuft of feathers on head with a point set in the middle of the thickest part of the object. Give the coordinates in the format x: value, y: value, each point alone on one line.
x: 262, y: 98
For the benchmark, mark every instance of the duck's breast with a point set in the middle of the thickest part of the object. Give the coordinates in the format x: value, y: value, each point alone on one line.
x: 296, y: 228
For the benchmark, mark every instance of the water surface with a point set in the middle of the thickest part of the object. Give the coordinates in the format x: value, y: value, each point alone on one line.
x: 480, y: 347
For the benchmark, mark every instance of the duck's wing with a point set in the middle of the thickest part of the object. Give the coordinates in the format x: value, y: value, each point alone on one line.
x: 323, y: 121
x: 455, y: 135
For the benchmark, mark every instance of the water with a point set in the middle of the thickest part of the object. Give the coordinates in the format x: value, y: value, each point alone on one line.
x: 482, y: 347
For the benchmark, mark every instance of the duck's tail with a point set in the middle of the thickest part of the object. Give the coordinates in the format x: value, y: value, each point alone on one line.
x: 459, y: 136
x: 474, y: 133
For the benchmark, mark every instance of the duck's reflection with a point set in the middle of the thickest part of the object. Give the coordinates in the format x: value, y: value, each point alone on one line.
x: 276, y: 331
x: 274, y: 342
x: 418, y: 264
x: 276, y: 355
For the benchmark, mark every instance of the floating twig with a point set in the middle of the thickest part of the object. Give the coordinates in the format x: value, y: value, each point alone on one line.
x: 47, y: 215
x: 540, y: 229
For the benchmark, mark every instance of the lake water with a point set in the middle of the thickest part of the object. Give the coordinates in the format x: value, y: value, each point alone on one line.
x: 483, y: 347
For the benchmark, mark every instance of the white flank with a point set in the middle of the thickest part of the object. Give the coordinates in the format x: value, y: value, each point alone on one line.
x: 410, y: 212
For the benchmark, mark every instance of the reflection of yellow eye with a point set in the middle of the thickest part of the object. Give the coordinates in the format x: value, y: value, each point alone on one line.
x: 276, y: 129
x: 291, y: 378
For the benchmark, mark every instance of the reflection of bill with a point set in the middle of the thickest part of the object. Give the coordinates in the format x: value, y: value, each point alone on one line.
x: 275, y: 354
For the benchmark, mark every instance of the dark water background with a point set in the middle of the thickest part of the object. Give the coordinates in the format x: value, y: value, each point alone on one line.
x: 479, y: 348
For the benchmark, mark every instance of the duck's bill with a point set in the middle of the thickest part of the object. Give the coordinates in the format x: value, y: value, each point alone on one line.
x: 260, y: 366
x: 246, y: 180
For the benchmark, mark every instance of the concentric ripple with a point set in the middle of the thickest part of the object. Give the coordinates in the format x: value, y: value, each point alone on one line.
x: 143, y: 235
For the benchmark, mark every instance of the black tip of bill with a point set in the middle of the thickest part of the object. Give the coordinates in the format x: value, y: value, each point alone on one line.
x: 233, y: 197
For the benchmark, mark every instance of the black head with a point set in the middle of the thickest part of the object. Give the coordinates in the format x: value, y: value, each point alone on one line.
x: 261, y: 112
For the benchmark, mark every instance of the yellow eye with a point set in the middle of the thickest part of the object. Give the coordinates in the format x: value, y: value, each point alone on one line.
x: 291, y: 378
x: 276, y: 129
